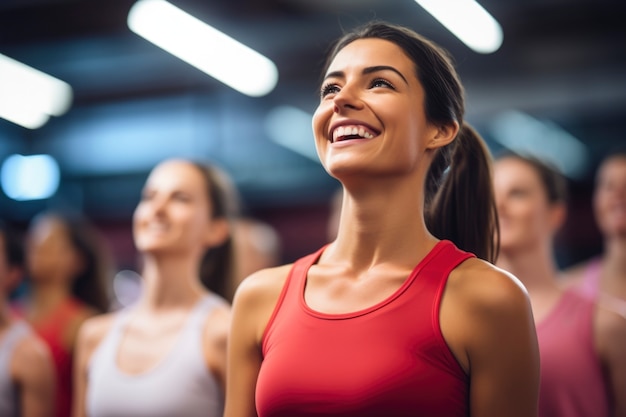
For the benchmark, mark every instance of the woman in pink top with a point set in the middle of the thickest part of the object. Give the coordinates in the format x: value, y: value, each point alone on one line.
x: 582, y: 346
x: 604, y: 277
x: 348, y: 330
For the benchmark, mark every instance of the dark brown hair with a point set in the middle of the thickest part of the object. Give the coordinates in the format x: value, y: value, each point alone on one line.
x: 553, y: 182
x: 13, y: 245
x: 91, y: 284
x: 459, y: 200
x: 217, y: 267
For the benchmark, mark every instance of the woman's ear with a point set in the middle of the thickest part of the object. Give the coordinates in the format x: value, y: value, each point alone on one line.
x: 444, y: 134
x: 218, y: 232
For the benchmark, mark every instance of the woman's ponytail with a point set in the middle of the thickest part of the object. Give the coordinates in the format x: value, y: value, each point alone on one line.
x: 460, y: 203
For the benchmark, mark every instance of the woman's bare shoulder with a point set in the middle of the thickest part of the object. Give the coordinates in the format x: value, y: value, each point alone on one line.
x: 31, y: 351
x: 484, y: 286
x: 94, y: 329
x: 262, y: 286
x: 255, y: 301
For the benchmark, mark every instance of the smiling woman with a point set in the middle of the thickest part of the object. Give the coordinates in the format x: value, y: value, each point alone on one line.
x: 143, y: 360
x: 587, y: 378
x: 450, y: 334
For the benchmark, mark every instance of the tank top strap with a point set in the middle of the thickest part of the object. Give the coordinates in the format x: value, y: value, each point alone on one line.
x: 298, y: 274
x: 293, y: 282
x: 442, y: 260
x: 108, y: 347
x: 202, y: 309
x: 14, y: 334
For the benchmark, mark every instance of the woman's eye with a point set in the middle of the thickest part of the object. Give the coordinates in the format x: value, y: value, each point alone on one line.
x: 519, y: 193
x: 329, y: 89
x: 379, y: 82
x: 182, y: 197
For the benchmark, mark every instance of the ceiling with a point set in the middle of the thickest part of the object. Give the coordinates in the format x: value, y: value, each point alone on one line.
x: 562, y: 61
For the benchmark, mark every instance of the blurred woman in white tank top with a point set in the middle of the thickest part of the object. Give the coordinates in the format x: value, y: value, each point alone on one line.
x: 165, y: 354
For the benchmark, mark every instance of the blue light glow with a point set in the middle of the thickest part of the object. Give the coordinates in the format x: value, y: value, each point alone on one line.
x: 32, y: 177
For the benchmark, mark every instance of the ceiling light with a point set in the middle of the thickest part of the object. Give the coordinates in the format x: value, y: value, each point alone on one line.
x: 28, y: 96
x: 204, y: 47
x: 541, y: 139
x: 468, y: 21
x: 30, y: 177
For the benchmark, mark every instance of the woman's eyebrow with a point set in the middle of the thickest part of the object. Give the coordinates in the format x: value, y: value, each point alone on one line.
x: 368, y: 70
x: 377, y: 68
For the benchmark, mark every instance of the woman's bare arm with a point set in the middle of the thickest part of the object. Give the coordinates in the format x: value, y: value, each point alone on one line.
x: 487, y: 318
x: 34, y: 372
x: 253, y: 305
x: 89, y: 337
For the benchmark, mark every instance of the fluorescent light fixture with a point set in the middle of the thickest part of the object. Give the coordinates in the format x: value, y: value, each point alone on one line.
x: 204, y: 47
x: 468, y: 21
x: 544, y: 140
x: 290, y: 127
x: 28, y: 96
x: 31, y: 177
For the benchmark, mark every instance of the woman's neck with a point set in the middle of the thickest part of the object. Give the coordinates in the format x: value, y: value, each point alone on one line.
x: 381, y: 228
x: 170, y: 282
x: 614, y: 258
x: 535, y: 267
x: 46, y: 297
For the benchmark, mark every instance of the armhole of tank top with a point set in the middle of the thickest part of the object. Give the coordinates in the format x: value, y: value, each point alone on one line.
x: 117, y: 322
x: 298, y: 267
x: 279, y: 303
x: 201, y: 314
x: 591, y: 306
x: 459, y: 258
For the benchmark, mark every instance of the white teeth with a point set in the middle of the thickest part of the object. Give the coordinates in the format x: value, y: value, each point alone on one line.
x: 156, y: 227
x: 342, y: 131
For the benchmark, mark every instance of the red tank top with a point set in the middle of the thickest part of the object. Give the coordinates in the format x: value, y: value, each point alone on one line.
x: 51, y: 330
x: 387, y: 360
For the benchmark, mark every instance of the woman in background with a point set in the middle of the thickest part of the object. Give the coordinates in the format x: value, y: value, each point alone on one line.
x: 582, y: 345
x: 26, y: 370
x: 68, y: 265
x: 604, y: 277
x: 165, y: 355
x: 395, y: 317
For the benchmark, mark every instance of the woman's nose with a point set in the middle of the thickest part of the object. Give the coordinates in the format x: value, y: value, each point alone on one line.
x: 346, y: 98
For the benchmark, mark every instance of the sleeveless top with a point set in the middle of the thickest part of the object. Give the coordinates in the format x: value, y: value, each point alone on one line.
x: 9, y: 401
x: 51, y: 331
x: 590, y: 287
x: 386, y: 360
x: 572, y: 382
x: 180, y: 384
